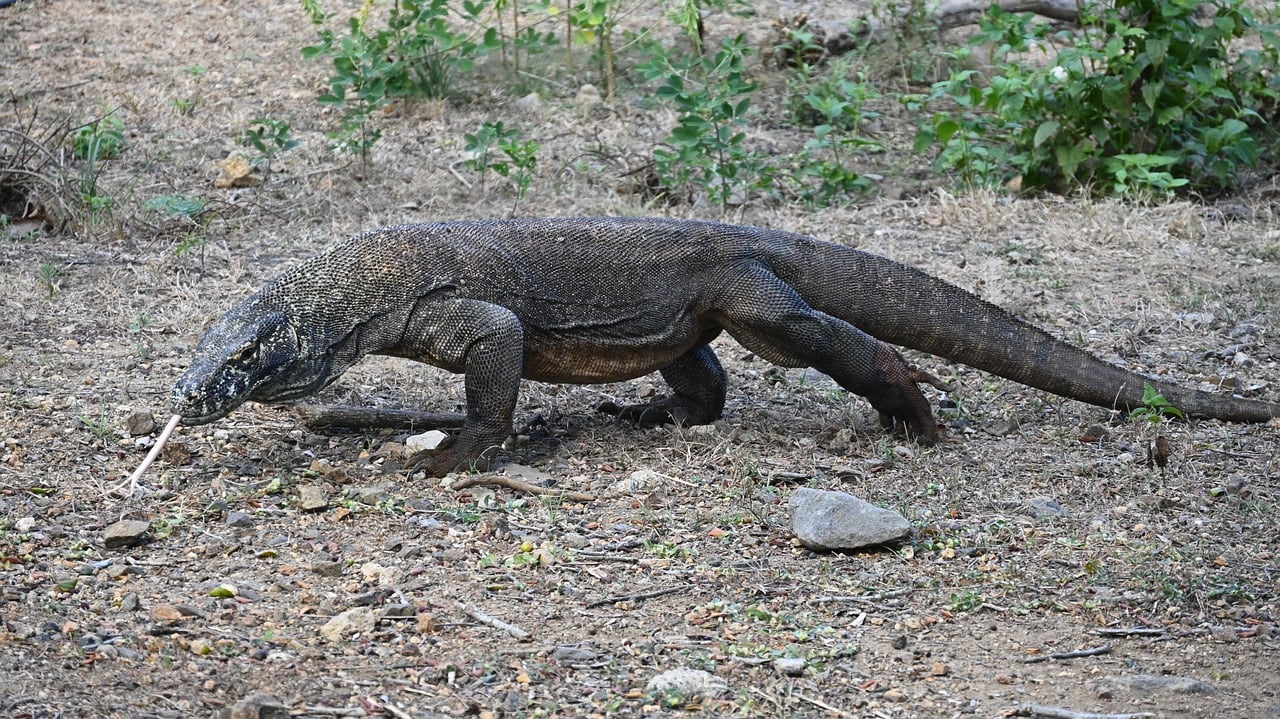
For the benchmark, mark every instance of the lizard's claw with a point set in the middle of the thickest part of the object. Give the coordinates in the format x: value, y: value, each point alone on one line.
x: 439, y: 462
x: 902, y: 407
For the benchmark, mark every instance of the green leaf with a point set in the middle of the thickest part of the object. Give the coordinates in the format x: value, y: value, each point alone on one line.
x: 1046, y: 130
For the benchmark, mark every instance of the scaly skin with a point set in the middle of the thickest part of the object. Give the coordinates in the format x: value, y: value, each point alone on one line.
x: 607, y: 299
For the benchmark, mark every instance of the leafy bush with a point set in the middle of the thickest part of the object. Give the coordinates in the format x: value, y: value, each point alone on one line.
x: 1149, y: 98
x: 414, y: 55
x: 707, y: 147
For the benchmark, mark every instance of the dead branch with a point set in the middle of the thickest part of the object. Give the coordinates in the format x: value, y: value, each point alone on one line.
x: 494, y: 622
x: 837, y: 37
x: 1048, y: 712
x: 635, y: 597
x: 502, y: 480
x: 1131, y: 632
x: 330, y: 416
x: 1091, y: 652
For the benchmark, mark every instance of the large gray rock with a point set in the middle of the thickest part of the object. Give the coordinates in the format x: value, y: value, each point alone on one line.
x: 825, y: 521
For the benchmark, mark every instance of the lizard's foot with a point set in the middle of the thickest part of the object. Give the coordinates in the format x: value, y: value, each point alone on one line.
x: 439, y: 462
x: 668, y: 410
x: 902, y: 407
x: 451, y: 456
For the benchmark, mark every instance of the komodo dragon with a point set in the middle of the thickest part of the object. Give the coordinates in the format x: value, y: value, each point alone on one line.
x: 604, y: 299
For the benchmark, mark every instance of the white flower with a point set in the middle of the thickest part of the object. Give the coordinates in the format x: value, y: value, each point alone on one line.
x: 1058, y: 74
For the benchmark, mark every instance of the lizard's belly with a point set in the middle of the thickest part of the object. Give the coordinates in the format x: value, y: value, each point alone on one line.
x: 586, y: 365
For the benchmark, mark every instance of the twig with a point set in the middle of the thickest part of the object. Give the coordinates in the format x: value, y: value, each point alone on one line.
x: 325, y: 416
x: 1131, y: 632
x: 494, y: 622
x: 461, y: 179
x: 132, y: 481
x: 864, y: 598
x: 1047, y: 712
x: 337, y: 711
x: 587, y: 556
x: 821, y: 704
x: 1091, y: 652
x: 520, y: 485
x: 635, y: 597
x: 395, y: 710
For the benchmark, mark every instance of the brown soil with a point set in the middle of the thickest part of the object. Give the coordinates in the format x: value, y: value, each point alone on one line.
x: 699, y: 572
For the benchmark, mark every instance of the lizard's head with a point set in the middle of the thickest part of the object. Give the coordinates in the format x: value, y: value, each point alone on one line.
x: 250, y: 354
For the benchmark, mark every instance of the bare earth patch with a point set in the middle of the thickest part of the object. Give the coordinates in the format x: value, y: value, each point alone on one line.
x: 397, y: 596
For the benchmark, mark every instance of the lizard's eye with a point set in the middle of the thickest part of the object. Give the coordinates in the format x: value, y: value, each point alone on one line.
x: 245, y: 354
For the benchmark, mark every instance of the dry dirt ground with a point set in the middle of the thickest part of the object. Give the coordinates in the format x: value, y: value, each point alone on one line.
x: 1171, y: 575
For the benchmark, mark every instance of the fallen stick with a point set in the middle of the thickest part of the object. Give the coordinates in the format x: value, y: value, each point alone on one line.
x: 1131, y: 632
x: 1047, y: 712
x: 1091, y: 652
x: 320, y: 416
x: 520, y: 485
x: 494, y: 622
x: 635, y: 597
x: 132, y: 481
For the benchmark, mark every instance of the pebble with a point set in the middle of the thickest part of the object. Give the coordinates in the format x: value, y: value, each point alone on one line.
x: 239, y: 519
x: 687, y: 683
x: 353, y: 621
x: 824, y: 520
x: 426, y: 441
x: 1108, y: 687
x: 140, y: 423
x: 312, y: 498
x: 789, y: 666
x: 588, y: 96
x: 531, y: 104
x: 256, y: 706
x: 125, y: 533
x: 1042, y: 507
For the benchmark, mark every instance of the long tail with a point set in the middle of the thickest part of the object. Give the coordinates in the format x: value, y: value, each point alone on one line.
x: 904, y: 306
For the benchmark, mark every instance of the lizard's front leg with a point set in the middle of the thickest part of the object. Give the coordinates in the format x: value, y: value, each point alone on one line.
x: 486, y: 342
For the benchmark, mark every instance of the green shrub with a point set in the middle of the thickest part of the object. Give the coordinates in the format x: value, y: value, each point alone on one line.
x: 1150, y: 97
x: 707, y: 148
x: 414, y: 55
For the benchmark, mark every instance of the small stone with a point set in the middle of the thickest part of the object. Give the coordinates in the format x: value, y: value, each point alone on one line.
x: 531, y: 104
x: 1042, y: 507
x: 125, y: 533
x: 384, y: 576
x: 426, y: 623
x: 25, y: 524
x: 328, y: 569
x: 130, y: 602
x: 236, y: 171
x: 256, y: 706
x: 239, y: 519
x: 894, y: 695
x: 570, y: 654
x: 641, y: 480
x: 312, y: 498
x: 837, y: 520
x: 371, y: 494
x: 789, y: 666
x: 167, y: 614
x: 588, y: 96
x: 425, y: 442
x: 687, y: 683
x: 140, y: 423
x: 938, y: 669
x: 349, y: 623
x: 1150, y: 684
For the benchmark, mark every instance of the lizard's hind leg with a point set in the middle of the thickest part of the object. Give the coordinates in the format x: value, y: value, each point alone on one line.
x: 771, y: 319
x: 698, y: 384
